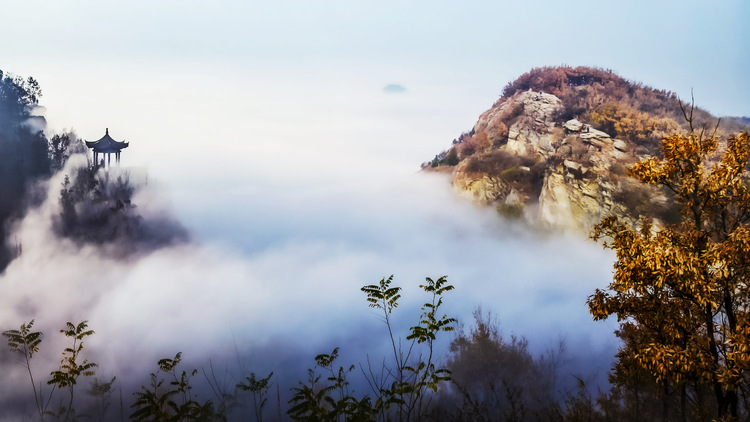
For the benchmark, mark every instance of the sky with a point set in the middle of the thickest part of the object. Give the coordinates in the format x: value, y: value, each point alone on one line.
x: 267, y: 130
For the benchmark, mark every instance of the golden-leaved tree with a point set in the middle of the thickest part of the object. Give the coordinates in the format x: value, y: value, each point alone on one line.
x: 684, y: 287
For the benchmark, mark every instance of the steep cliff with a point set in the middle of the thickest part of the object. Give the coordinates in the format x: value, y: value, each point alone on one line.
x: 555, y: 148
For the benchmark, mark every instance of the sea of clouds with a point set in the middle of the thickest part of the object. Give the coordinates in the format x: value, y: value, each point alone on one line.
x: 289, y: 218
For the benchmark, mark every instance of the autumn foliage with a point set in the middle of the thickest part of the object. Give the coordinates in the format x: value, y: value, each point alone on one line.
x: 682, y: 291
x: 625, y: 121
x: 623, y: 108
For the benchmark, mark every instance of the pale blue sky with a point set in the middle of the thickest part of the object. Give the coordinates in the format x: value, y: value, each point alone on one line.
x: 673, y: 45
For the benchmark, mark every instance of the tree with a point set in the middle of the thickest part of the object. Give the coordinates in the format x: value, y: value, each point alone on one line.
x: 684, y: 287
x: 23, y: 151
x: 408, y: 386
x: 101, y: 391
x: 497, y: 379
x: 58, y: 150
x: 412, y: 377
x: 331, y: 401
x: 258, y: 387
x: 452, y: 158
x: 26, y: 343
x: 172, y: 402
x: 17, y: 96
x: 71, y: 368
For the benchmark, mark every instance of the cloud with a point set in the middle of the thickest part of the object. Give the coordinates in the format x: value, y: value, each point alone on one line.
x: 296, y: 294
x: 290, y: 215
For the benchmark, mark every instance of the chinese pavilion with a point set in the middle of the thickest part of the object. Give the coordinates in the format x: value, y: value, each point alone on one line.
x: 106, y: 145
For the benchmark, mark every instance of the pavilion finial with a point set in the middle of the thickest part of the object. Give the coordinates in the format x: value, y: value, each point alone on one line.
x: 106, y: 131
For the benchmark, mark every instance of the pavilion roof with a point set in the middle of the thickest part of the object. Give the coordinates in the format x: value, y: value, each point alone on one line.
x: 106, y: 144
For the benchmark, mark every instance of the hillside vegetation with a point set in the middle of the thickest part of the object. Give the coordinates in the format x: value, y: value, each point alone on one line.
x: 94, y: 208
x: 556, y: 146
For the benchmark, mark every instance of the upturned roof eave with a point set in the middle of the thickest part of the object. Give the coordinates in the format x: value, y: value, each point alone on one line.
x: 106, y: 144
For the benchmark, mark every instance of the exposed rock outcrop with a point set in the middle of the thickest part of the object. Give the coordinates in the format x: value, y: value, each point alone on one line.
x: 574, y: 186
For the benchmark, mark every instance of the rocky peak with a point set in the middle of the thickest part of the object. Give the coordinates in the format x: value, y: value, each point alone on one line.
x: 555, y: 148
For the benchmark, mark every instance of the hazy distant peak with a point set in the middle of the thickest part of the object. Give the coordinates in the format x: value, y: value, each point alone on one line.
x: 394, y: 89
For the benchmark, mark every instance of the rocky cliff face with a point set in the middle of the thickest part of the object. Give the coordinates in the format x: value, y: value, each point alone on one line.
x: 579, y: 170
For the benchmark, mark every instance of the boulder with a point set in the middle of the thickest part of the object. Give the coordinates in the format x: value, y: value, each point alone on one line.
x: 573, y: 125
x: 572, y: 165
x: 620, y: 145
x: 589, y: 132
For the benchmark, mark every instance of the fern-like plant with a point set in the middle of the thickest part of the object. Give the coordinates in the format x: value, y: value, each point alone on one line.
x: 71, y: 368
x: 412, y: 375
x: 331, y: 401
x: 26, y: 342
x: 170, y: 402
x: 258, y: 387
